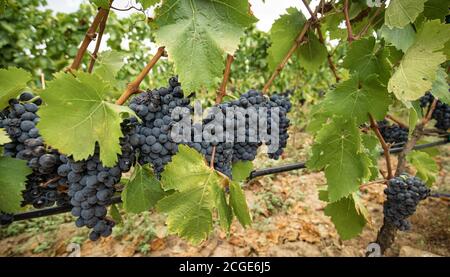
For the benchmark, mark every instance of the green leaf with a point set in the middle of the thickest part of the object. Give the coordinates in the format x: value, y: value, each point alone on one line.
x: 199, y: 34
x: 418, y: 69
x: 399, y: 13
x: 108, y: 64
x: 198, y: 190
x: 402, y: 38
x: 338, y: 150
x: 101, y: 3
x: 142, y: 191
x: 415, y: 112
x: 239, y: 204
x: 77, y: 117
x: 312, y: 54
x: 347, y: 216
x: 241, y: 170
x: 115, y: 214
x: 364, y: 58
x: 440, y: 87
x: 13, y: 81
x: 148, y: 3
x: 370, y: 143
x: 426, y: 167
x: 4, y: 138
x: 14, y: 175
x: 356, y: 98
x: 436, y: 9
x: 283, y: 34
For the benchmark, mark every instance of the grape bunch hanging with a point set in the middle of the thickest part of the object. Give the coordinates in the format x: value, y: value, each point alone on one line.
x: 441, y: 113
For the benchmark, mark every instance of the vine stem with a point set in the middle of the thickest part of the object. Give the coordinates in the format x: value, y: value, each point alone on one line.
x: 101, y: 30
x: 387, y: 156
x: 398, y: 121
x: 371, y: 20
x: 386, y: 235
x: 351, y: 37
x: 90, y: 35
x: 133, y: 87
x: 221, y: 92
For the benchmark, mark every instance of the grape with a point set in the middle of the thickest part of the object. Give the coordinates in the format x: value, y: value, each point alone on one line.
x: 441, y: 113
x: 403, y: 195
x: 44, y: 187
x: 392, y: 133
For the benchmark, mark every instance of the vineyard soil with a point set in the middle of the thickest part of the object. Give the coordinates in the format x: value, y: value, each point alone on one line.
x: 288, y: 220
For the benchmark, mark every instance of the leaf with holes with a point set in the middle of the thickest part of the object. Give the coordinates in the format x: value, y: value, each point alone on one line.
x: 14, y: 175
x: 14, y: 80
x: 198, y: 35
x: 418, y: 68
x: 77, y: 116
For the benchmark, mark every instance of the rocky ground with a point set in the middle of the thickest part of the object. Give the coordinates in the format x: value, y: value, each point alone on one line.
x: 288, y: 220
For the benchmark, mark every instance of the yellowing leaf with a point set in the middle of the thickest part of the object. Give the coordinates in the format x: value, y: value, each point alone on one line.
x: 4, y: 138
x: 76, y: 117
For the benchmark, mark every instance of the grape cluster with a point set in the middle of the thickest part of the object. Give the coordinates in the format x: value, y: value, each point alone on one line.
x: 43, y: 187
x: 392, y: 133
x: 152, y: 138
x: 91, y: 186
x: 441, y: 113
x: 403, y: 195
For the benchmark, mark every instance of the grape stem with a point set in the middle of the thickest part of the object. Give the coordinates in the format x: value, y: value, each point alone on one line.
x: 90, y: 36
x: 350, y: 37
x: 397, y: 121
x: 133, y: 87
x: 101, y: 30
x: 387, y: 156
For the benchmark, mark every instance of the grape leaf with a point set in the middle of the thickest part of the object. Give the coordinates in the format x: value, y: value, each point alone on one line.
x: 14, y: 80
x: 101, y: 3
x: 282, y: 35
x: 241, y: 170
x: 198, y: 190
x: 338, y: 150
x: 440, y: 87
x: 77, y: 117
x: 115, y: 214
x: 348, y: 216
x: 4, y: 138
x: 363, y: 58
x: 148, y: 3
x: 198, y: 35
x: 312, y: 54
x: 108, y: 64
x: 355, y: 98
x: 142, y: 191
x: 399, y: 13
x: 418, y: 69
x: 436, y: 9
x: 402, y: 38
x: 14, y: 174
x: 426, y: 167
x: 370, y: 143
x: 239, y: 204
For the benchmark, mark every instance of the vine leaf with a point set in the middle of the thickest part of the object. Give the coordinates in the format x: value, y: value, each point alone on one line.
x: 283, y: 34
x: 14, y: 174
x: 198, y: 190
x: 4, y: 138
x: 108, y: 65
x: 436, y: 9
x: 348, y: 215
x: 399, y: 13
x: 402, y: 38
x: 426, y: 166
x: 142, y: 191
x: 312, y: 54
x: 355, y: 98
x: 199, y: 34
x: 148, y: 3
x: 338, y: 150
x: 77, y: 117
x: 14, y: 80
x: 371, y: 143
x: 440, y: 87
x: 115, y: 214
x: 418, y: 69
x: 239, y: 204
x: 364, y: 59
x: 241, y: 170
